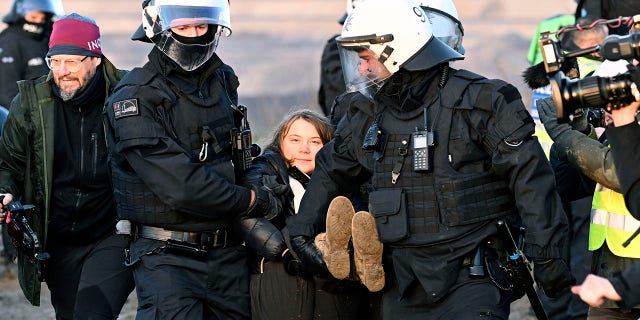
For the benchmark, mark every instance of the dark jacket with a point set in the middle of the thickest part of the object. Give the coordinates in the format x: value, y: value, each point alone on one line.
x: 627, y: 284
x: 170, y: 145
x: 21, y: 58
x: 625, y: 141
x: 261, y: 235
x: 331, y: 79
x: 27, y: 155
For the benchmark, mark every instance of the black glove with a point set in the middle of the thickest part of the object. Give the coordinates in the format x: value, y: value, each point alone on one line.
x: 265, y: 204
x: 309, y: 254
x: 262, y: 236
x: 549, y: 117
x: 292, y: 264
x: 552, y: 276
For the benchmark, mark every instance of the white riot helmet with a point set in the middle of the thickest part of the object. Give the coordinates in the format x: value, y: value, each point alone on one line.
x: 351, y: 4
x: 445, y: 22
x: 380, y: 36
x: 159, y: 16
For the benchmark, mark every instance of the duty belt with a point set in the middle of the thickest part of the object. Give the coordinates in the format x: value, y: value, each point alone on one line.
x: 214, y: 239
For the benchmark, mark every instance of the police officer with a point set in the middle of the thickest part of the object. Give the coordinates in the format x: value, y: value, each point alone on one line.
x: 169, y: 130
x: 24, y: 43
x: 447, y: 153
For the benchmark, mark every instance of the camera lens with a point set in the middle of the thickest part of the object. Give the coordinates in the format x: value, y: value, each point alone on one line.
x: 592, y: 92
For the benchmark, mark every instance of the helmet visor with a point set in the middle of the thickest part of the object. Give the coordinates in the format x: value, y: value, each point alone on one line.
x: 188, y: 56
x: 362, y: 69
x: 446, y: 28
x: 175, y: 13
x: 53, y: 7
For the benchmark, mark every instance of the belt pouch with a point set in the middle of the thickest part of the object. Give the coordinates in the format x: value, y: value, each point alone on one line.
x: 389, y: 208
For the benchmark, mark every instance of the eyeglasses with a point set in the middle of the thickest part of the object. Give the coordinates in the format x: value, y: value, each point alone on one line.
x: 72, y: 65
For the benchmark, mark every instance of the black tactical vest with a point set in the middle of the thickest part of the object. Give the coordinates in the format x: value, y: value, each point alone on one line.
x: 442, y: 204
x: 204, y: 131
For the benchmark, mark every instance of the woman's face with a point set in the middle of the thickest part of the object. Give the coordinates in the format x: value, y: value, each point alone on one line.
x: 300, y: 145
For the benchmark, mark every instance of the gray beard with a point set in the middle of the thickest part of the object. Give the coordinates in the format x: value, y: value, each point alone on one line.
x: 66, y: 96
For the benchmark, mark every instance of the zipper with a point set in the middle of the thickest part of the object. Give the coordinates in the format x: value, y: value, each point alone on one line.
x: 94, y: 158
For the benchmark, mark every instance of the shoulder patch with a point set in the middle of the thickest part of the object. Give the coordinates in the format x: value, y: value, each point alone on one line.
x: 125, y: 108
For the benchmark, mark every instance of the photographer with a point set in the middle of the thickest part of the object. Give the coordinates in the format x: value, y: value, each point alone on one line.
x: 53, y: 155
x: 624, y: 136
x: 594, y: 159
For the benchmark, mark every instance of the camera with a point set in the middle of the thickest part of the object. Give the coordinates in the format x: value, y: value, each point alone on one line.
x: 595, y: 91
x: 595, y: 117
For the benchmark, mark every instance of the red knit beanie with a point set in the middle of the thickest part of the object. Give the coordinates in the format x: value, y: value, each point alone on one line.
x: 75, y: 34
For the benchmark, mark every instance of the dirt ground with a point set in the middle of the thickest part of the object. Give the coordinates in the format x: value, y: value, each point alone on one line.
x: 275, y: 49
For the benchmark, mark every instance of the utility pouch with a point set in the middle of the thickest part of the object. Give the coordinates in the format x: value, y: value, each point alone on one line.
x: 389, y: 208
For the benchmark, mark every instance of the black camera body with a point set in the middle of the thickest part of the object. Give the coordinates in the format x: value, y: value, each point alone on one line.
x: 23, y: 237
x: 594, y: 91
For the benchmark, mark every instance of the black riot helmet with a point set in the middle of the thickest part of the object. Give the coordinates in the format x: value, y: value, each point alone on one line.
x: 19, y: 8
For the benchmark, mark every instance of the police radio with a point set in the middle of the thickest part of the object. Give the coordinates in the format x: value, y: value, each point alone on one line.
x: 422, y: 143
x: 243, y: 149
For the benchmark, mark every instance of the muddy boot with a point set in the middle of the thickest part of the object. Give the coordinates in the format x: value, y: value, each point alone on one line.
x: 367, y: 251
x: 336, y: 252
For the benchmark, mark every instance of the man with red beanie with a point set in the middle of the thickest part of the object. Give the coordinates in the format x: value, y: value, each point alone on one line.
x: 53, y: 155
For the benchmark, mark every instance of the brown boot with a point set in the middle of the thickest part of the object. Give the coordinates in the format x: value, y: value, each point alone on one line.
x: 367, y: 251
x: 336, y: 253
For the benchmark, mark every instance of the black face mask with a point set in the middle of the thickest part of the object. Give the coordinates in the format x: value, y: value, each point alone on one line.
x: 188, y: 52
x: 203, y: 39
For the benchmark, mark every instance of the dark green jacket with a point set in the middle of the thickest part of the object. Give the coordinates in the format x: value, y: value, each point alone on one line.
x: 26, y: 159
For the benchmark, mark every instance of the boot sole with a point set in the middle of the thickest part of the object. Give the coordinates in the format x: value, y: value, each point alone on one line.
x: 339, y: 216
x: 367, y: 250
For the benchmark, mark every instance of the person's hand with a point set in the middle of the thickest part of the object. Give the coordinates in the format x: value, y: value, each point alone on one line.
x: 580, y: 121
x: 549, y: 117
x: 292, y: 264
x: 309, y: 254
x: 595, y: 289
x: 5, y: 198
x: 552, y: 276
x: 625, y: 115
x: 265, y: 204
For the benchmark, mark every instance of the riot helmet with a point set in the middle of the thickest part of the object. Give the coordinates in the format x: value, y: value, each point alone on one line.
x: 379, y: 37
x: 159, y: 16
x: 351, y: 4
x: 19, y: 8
x: 445, y: 23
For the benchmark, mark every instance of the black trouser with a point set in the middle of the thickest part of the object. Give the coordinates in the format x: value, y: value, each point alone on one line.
x: 468, y: 299
x: 277, y: 295
x: 89, y: 281
x: 568, y: 306
x: 171, y: 286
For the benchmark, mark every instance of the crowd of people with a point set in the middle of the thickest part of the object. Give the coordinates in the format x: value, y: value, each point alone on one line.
x: 406, y: 197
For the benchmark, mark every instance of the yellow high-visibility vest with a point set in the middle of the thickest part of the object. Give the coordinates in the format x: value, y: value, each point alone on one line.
x: 612, y: 222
